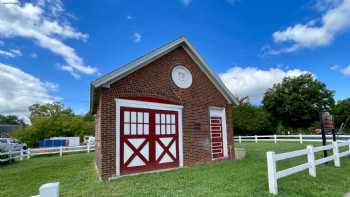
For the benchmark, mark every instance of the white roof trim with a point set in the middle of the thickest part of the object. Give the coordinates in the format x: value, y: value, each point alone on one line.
x: 131, y: 67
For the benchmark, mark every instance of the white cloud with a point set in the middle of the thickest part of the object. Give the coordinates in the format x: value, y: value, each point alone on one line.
x: 55, y: 7
x: 11, y: 53
x: 346, y: 71
x: 43, y: 23
x: 186, y: 2
x: 34, y: 55
x: 16, y: 51
x: 343, y: 70
x: 137, y: 37
x: 254, y: 82
x: 334, y: 67
x: 267, y: 50
x: 19, y: 90
x: 129, y: 17
x: 334, y: 20
x: 324, y: 5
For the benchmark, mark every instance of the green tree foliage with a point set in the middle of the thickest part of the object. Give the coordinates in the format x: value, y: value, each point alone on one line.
x: 11, y: 119
x: 252, y: 120
x: 296, y: 102
x: 48, y: 110
x: 53, y: 120
x: 341, y: 113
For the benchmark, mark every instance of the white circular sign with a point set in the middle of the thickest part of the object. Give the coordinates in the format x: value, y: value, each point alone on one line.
x: 182, y: 77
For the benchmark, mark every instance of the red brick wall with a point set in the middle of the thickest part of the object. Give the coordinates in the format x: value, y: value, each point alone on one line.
x: 154, y: 80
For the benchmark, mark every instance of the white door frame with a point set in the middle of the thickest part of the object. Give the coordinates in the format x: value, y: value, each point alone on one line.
x: 221, y: 112
x: 146, y: 105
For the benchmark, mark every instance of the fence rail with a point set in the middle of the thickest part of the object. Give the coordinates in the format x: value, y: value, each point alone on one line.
x: 27, y: 154
x: 288, y: 138
x: 273, y: 158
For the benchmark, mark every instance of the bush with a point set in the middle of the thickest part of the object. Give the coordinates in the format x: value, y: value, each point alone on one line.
x: 252, y: 120
x: 53, y: 120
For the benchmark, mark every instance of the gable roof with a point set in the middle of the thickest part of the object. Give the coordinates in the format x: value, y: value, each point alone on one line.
x: 138, y: 63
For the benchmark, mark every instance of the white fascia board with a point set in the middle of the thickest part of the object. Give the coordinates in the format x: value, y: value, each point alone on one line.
x: 139, y: 63
x: 135, y: 65
x: 147, y: 105
x: 213, y: 77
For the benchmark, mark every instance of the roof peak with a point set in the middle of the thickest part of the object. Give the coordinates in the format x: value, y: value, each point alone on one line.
x: 103, y: 78
x: 138, y: 63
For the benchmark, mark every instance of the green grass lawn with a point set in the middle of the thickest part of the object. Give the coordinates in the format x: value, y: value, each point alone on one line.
x: 247, y: 177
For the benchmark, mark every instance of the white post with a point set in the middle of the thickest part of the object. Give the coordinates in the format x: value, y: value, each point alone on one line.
x: 271, y: 170
x: 50, y: 190
x: 349, y: 144
x: 28, y: 153
x: 336, y: 154
x: 61, y: 151
x: 21, y: 156
x: 275, y: 138
x: 311, y: 160
x: 10, y: 155
x: 256, y: 139
x: 88, y: 147
x: 240, y: 139
x: 301, y: 138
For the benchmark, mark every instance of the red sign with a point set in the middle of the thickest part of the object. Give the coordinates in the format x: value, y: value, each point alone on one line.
x: 328, y: 121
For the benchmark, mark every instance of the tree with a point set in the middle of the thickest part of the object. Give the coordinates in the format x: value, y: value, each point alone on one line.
x: 48, y: 110
x: 11, y: 119
x: 252, y: 120
x: 296, y: 102
x: 54, y: 120
x: 342, y: 113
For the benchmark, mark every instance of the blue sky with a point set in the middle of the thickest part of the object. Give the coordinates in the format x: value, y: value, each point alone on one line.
x: 52, y: 50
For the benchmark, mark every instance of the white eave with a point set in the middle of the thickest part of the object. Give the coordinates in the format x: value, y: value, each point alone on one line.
x: 133, y: 66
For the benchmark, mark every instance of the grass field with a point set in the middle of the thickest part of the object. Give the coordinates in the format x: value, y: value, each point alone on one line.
x: 247, y: 177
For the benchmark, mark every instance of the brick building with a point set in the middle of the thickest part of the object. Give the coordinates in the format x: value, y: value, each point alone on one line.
x: 164, y: 110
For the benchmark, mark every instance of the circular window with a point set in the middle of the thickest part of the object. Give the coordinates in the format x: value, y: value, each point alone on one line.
x: 182, y: 77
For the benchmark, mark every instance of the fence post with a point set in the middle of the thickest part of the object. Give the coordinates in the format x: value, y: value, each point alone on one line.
x: 28, y: 153
x: 271, y: 170
x: 301, y: 138
x: 336, y: 154
x: 61, y: 151
x: 275, y: 138
x: 311, y: 160
x: 10, y: 154
x: 21, y: 155
x: 240, y: 139
x: 256, y: 139
x: 88, y: 147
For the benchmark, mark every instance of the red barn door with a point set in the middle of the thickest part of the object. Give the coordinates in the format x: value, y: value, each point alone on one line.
x: 149, y: 140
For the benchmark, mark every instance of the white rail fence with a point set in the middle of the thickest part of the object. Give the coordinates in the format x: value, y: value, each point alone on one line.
x: 27, y: 154
x: 273, y: 158
x: 288, y: 138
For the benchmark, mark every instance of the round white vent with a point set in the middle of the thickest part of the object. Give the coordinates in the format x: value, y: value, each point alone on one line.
x: 182, y: 77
